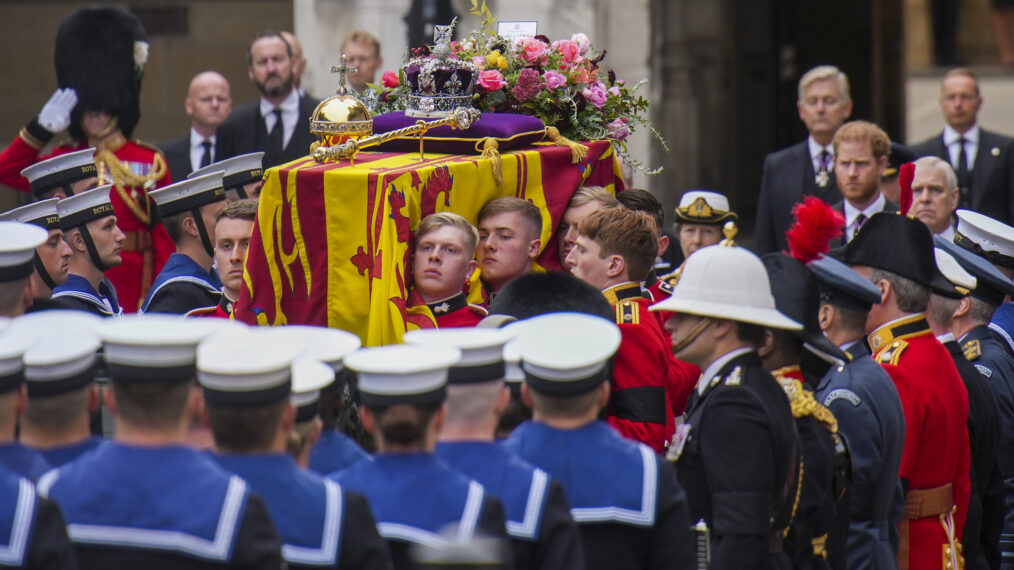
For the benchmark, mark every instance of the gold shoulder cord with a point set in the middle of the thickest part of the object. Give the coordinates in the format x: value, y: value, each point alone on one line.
x: 122, y: 178
x: 803, y: 403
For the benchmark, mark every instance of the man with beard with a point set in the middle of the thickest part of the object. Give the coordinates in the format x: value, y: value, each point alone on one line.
x: 277, y: 123
x: 861, y: 150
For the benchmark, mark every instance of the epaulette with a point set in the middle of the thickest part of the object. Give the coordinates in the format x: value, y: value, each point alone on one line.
x: 804, y: 404
x: 149, y: 146
x: 972, y: 350
x: 891, y: 353
x: 628, y: 312
x: 667, y: 286
x: 478, y: 309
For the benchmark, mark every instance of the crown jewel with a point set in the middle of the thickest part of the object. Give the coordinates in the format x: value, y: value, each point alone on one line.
x: 439, y: 83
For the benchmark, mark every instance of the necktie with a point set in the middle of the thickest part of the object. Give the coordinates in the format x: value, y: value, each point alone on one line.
x: 206, y: 157
x: 964, y: 179
x: 860, y: 220
x: 275, y: 138
x: 823, y: 178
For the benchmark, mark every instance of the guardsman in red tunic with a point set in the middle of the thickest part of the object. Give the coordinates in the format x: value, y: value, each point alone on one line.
x: 614, y: 249
x: 896, y: 254
x: 100, y: 56
x: 441, y: 267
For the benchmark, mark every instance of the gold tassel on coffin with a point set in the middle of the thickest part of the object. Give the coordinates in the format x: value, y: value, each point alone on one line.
x: 490, y: 151
x: 578, y: 152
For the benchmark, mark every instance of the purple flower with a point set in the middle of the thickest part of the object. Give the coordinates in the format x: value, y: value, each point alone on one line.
x: 528, y: 86
x: 554, y: 79
x: 596, y: 94
x: 618, y: 129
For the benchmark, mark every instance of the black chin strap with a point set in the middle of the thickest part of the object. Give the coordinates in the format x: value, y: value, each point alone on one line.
x: 43, y: 274
x: 92, y: 251
x: 205, y: 239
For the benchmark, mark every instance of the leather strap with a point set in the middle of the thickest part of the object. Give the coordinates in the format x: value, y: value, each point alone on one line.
x: 924, y: 503
x: 136, y: 241
x: 903, y: 544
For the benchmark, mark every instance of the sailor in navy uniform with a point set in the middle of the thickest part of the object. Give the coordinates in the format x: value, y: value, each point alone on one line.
x: 248, y: 379
x: 980, y: 346
x: 737, y: 453
x: 52, y: 257
x: 981, y: 539
x: 333, y: 450
x: 993, y: 241
x: 188, y: 211
x: 243, y: 175
x: 63, y: 175
x: 17, y: 252
x: 868, y: 410
x: 542, y: 531
x: 33, y: 533
x: 416, y: 498
x: 89, y: 226
x: 626, y: 501
x: 131, y: 503
x: 62, y: 394
x: 15, y: 457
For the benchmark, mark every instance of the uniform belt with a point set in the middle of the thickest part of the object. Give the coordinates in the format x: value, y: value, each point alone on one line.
x: 924, y: 503
x: 137, y: 241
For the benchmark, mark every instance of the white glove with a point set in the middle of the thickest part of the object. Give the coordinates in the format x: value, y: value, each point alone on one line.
x: 55, y: 114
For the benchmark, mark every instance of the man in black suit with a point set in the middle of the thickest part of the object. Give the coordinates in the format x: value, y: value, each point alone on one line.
x: 805, y: 168
x: 208, y: 105
x: 983, y: 160
x: 860, y: 158
x: 279, y: 122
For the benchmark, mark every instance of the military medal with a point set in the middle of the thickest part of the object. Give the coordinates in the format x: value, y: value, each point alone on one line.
x: 823, y: 178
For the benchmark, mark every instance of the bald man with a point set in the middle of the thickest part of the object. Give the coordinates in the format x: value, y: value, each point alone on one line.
x: 208, y: 105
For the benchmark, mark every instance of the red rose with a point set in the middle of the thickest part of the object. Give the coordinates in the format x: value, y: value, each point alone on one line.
x: 389, y: 79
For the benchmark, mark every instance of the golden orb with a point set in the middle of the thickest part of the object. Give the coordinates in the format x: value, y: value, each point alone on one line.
x: 340, y: 118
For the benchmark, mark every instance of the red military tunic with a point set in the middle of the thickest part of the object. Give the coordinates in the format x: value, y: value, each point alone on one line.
x: 647, y: 382
x: 133, y: 277
x: 937, y: 451
x: 456, y: 312
x: 223, y: 310
x: 661, y: 289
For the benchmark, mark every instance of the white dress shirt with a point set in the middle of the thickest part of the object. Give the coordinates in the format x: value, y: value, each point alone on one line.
x: 290, y: 115
x: 951, y: 137
x: 851, y: 213
x: 197, y: 148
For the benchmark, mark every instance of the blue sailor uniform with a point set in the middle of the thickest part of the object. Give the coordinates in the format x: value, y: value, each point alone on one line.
x: 320, y: 525
x: 77, y: 294
x: 23, y: 461
x: 165, y: 507
x: 1002, y: 326
x: 628, y: 505
x: 415, y: 497
x: 59, y: 456
x: 871, y: 420
x: 32, y: 530
x: 991, y: 359
x: 181, y: 287
x: 334, y: 451
x: 542, y: 531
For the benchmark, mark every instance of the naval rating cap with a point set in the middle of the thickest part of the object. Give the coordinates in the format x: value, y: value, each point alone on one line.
x: 481, y: 351
x: 403, y: 374
x: 566, y: 354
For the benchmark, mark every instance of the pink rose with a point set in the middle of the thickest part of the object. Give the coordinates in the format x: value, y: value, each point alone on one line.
x: 614, y: 91
x: 582, y: 41
x: 479, y: 61
x: 580, y: 75
x: 596, y: 94
x: 618, y: 129
x: 389, y: 79
x: 491, y: 80
x: 568, y: 49
x: 554, y: 79
x: 532, y: 50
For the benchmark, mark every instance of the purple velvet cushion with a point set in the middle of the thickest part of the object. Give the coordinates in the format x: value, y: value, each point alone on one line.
x: 509, y: 130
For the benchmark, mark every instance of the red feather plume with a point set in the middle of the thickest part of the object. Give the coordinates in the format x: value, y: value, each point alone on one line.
x: 817, y: 223
x: 905, y: 175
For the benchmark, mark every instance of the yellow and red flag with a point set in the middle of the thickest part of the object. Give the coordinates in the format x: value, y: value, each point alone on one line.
x: 332, y: 243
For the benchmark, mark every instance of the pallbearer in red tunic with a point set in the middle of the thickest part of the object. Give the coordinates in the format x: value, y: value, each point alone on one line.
x: 233, y: 228
x: 100, y: 57
x: 896, y: 254
x: 441, y: 267
x: 613, y: 251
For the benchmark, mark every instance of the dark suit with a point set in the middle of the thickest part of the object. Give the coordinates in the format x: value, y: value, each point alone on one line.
x: 992, y: 173
x: 245, y: 132
x: 788, y: 176
x: 889, y: 207
x: 177, y: 156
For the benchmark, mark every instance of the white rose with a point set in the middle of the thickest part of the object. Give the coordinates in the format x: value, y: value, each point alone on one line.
x: 582, y: 42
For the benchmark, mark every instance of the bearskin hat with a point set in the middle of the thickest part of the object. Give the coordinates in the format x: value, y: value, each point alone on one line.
x: 100, y: 53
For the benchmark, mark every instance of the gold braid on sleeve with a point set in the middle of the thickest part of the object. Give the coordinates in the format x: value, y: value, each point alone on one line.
x: 803, y: 403
x: 123, y: 178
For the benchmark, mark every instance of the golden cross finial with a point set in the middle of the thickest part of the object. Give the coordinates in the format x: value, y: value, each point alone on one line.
x: 730, y: 230
x: 343, y: 70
